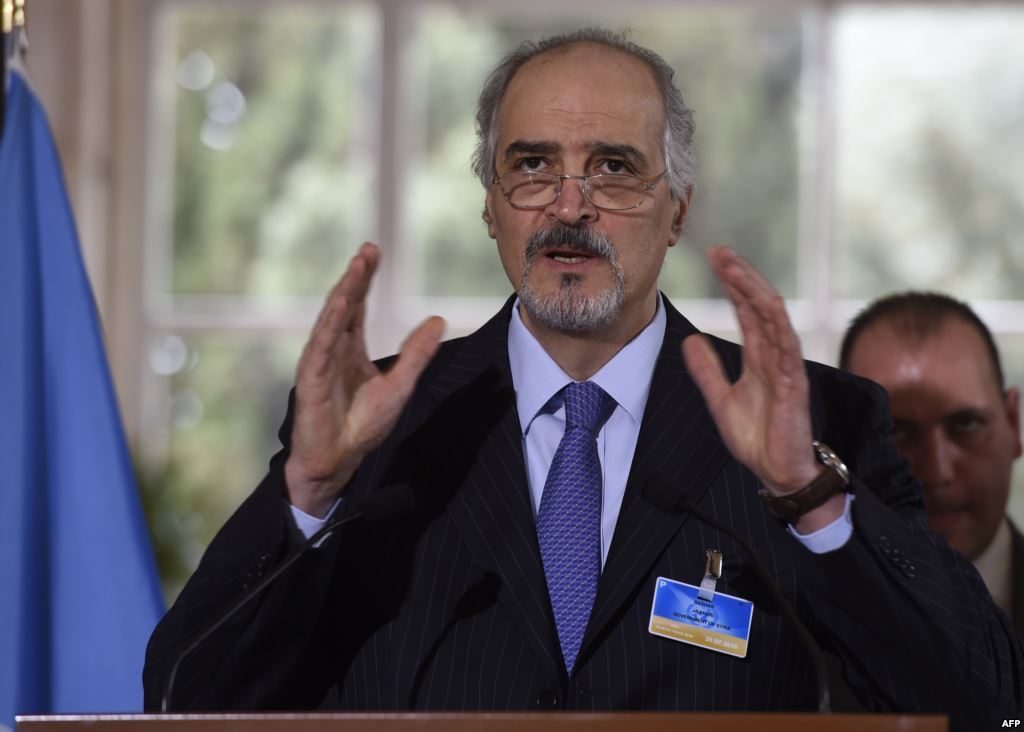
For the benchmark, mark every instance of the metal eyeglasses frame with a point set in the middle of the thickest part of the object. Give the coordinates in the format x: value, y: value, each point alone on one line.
x: 585, y: 185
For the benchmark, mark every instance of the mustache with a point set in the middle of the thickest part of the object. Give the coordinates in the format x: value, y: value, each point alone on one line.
x: 579, y: 238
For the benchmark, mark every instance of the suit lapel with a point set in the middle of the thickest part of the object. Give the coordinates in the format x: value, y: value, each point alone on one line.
x: 678, y: 454
x: 492, y: 508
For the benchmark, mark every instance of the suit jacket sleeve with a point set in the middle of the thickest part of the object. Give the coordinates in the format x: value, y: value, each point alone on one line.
x: 272, y: 654
x: 911, y: 620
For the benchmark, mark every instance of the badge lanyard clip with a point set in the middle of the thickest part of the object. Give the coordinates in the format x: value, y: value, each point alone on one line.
x: 712, y: 573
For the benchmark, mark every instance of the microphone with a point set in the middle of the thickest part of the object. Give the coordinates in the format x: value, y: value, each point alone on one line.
x: 658, y: 496
x: 474, y: 601
x: 379, y: 505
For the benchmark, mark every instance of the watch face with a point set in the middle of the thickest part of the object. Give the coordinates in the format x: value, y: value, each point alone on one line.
x: 827, y: 457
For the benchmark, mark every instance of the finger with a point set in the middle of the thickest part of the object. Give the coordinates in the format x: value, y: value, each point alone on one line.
x: 752, y: 327
x: 705, y: 367
x: 791, y: 358
x: 346, y: 302
x: 355, y: 284
x: 419, y: 347
x: 741, y: 277
x: 760, y: 309
x: 319, y: 351
x: 731, y: 267
x: 366, y: 262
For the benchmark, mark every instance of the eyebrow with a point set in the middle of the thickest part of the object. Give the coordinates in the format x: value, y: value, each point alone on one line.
x: 543, y: 147
x: 530, y: 147
x: 630, y: 153
x: 978, y: 413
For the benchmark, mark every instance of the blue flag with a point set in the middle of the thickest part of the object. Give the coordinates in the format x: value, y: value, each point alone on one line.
x: 79, y: 594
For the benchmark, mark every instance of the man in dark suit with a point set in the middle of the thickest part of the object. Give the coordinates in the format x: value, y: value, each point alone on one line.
x: 957, y: 423
x: 509, y: 586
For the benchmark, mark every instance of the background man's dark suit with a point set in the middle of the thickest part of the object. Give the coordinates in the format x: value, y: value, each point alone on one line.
x: 447, y: 608
x: 1017, y: 580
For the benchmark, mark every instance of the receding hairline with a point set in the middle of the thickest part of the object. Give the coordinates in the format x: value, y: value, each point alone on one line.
x: 679, y: 126
x: 917, y: 330
x: 587, y: 44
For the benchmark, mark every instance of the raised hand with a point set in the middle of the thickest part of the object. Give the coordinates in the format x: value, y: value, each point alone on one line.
x: 344, y: 405
x: 764, y: 417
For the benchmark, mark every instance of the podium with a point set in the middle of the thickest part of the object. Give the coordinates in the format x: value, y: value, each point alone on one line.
x: 487, y: 721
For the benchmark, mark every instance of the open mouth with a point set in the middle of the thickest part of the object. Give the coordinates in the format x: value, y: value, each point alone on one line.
x: 569, y: 256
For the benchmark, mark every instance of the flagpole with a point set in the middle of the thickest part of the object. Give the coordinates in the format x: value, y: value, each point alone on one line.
x: 6, y: 32
x: 12, y: 25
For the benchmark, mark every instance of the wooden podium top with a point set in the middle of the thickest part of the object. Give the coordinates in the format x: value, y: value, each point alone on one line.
x: 489, y: 721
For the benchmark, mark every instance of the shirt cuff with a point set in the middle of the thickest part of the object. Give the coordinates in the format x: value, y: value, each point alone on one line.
x: 309, y: 525
x: 831, y: 537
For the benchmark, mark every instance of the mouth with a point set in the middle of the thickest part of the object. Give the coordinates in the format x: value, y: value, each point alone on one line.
x: 568, y: 256
x: 945, y: 511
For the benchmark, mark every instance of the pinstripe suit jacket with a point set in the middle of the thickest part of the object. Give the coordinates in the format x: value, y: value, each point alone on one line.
x: 447, y: 608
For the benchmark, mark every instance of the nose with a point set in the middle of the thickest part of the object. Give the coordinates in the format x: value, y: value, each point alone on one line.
x: 933, y: 460
x: 572, y: 207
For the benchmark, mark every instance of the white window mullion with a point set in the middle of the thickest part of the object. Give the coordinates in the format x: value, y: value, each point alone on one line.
x: 817, y: 182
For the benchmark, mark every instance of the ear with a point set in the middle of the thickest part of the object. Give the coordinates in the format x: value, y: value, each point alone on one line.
x: 1012, y: 405
x: 679, y: 219
x: 486, y: 214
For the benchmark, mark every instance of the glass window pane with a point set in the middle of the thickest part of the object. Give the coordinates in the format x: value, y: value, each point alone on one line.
x: 739, y: 68
x: 227, y: 395
x: 930, y: 150
x: 274, y: 164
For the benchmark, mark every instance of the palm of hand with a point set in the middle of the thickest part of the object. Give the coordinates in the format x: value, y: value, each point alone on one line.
x: 764, y: 417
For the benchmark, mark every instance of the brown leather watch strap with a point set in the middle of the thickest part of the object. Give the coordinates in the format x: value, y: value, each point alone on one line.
x: 833, y: 480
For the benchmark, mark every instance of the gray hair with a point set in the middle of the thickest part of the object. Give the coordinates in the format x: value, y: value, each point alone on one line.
x: 677, y: 145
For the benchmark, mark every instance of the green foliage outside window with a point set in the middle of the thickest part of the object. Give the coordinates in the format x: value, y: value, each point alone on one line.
x: 274, y: 160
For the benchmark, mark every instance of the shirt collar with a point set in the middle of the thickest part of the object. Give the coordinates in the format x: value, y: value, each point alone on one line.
x: 995, y: 566
x: 537, y: 378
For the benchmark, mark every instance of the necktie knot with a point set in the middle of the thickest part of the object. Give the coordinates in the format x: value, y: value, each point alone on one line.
x: 584, y: 404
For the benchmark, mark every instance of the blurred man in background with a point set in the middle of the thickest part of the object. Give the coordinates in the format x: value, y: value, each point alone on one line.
x: 955, y: 422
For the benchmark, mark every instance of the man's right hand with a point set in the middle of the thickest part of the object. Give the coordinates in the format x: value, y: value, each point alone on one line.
x: 344, y: 405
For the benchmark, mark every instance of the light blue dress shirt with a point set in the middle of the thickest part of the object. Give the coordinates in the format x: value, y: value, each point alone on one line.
x: 626, y: 378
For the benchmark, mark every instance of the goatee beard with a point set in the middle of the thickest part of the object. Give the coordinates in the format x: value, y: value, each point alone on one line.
x: 569, y: 309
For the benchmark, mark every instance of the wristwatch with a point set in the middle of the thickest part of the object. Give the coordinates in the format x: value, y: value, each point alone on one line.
x: 834, y: 480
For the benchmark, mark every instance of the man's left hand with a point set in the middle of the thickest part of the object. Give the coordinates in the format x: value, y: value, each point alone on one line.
x: 763, y: 417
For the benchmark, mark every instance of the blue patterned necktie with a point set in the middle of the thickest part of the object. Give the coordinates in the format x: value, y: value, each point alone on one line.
x: 569, y: 519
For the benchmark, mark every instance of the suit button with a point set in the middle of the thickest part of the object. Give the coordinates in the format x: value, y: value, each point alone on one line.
x: 548, y: 700
x: 261, y: 567
x: 885, y: 545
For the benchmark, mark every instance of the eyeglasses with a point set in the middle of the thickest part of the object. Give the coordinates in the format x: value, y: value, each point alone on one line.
x: 610, y: 192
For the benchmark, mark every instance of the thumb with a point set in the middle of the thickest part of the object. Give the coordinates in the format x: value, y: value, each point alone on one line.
x: 419, y: 347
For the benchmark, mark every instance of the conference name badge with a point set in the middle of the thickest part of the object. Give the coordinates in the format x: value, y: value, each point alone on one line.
x: 690, y: 614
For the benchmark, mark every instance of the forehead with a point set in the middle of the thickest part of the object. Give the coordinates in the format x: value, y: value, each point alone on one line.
x: 951, y: 365
x: 581, y: 95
